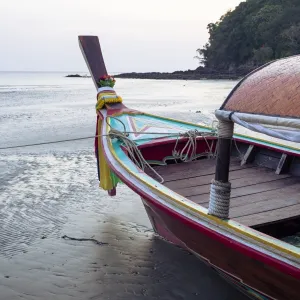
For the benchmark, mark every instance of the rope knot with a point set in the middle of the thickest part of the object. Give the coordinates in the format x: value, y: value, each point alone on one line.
x: 219, y: 199
x: 191, y: 133
x: 225, y: 129
x: 189, y: 151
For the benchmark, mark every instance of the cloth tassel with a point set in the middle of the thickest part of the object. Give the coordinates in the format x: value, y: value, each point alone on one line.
x: 107, y: 96
x: 108, y: 180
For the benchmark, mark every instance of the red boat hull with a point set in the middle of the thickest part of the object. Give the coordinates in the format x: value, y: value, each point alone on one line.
x: 259, y: 279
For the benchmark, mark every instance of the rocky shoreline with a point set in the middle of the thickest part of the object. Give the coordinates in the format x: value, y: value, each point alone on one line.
x: 179, y: 75
x: 197, y: 74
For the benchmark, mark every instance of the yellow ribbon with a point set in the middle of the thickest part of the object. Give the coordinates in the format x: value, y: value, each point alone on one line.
x: 107, y: 97
x: 105, y: 176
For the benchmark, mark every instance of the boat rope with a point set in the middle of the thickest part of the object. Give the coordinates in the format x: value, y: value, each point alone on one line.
x: 48, y: 143
x: 191, y: 146
x: 166, y: 134
x: 241, y: 156
x: 82, y: 138
x: 219, y: 199
x: 134, y: 152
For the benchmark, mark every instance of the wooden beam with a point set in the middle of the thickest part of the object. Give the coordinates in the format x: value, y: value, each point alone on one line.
x: 282, y: 164
x: 248, y: 155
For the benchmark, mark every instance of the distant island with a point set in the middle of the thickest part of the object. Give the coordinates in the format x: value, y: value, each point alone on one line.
x: 77, y: 76
x: 199, y: 73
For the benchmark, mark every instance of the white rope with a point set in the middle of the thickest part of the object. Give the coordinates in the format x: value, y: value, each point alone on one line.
x: 241, y: 155
x: 82, y: 138
x: 134, y: 152
x: 191, y: 146
x: 132, y: 148
x: 219, y: 199
x: 225, y: 129
x: 137, y: 157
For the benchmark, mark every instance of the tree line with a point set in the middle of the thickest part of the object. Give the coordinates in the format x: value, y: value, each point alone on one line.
x: 254, y: 33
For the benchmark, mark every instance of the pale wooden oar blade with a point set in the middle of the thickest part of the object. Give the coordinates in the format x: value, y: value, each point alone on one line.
x: 91, y: 51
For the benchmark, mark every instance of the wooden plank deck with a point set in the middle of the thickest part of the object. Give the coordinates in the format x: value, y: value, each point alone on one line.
x: 258, y: 196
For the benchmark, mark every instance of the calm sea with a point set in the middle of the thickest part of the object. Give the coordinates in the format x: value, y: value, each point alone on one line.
x: 50, y: 191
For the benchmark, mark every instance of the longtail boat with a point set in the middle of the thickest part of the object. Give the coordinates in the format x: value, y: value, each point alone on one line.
x: 232, y: 200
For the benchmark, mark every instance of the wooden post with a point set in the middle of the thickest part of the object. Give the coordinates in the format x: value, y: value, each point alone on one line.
x: 223, y: 160
x: 224, y: 151
x: 220, y: 188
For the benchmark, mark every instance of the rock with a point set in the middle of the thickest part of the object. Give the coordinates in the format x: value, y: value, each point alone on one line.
x: 77, y: 76
x: 73, y: 75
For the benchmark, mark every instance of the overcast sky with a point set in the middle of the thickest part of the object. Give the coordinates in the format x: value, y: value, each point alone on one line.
x: 135, y: 35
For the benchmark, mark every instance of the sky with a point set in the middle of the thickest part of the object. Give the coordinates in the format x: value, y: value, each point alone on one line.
x: 135, y: 35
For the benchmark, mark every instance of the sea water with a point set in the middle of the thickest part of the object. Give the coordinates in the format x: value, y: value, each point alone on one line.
x: 50, y: 191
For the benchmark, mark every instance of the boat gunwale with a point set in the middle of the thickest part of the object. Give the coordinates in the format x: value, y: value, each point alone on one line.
x: 289, y: 149
x: 197, y: 211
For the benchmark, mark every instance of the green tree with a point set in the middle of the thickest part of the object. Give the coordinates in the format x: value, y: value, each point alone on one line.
x: 255, y: 32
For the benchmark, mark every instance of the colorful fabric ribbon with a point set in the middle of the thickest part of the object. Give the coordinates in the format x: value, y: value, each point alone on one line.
x: 108, y: 179
x: 106, y: 95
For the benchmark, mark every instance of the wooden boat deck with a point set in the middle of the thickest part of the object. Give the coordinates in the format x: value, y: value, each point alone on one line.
x: 258, y: 195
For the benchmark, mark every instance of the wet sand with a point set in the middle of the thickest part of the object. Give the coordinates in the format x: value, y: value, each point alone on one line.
x: 47, y: 196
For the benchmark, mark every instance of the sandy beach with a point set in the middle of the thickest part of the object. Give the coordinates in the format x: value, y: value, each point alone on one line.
x: 134, y: 263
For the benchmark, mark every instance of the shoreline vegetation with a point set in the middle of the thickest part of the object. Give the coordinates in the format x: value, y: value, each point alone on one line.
x: 253, y: 34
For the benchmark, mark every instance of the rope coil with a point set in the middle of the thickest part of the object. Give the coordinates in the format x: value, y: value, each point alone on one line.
x: 191, y: 145
x: 219, y: 201
x: 225, y: 129
x: 134, y: 152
